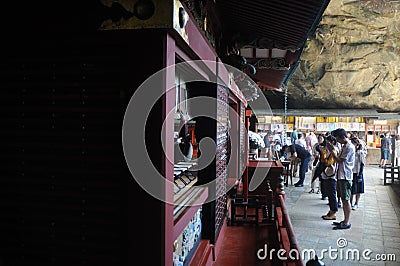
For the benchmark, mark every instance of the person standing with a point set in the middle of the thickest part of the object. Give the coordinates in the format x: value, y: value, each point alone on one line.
x: 293, y: 136
x: 298, y: 151
x: 267, y: 142
x: 328, y: 176
x: 345, y: 160
x: 316, y: 152
x: 309, y: 144
x: 314, y: 138
x: 276, y: 144
x: 358, y: 173
x: 386, y: 149
x: 311, y: 140
x: 300, y: 141
x: 397, y: 151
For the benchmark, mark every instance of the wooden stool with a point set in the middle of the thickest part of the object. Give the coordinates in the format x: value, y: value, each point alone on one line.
x: 287, y: 172
x: 390, y: 172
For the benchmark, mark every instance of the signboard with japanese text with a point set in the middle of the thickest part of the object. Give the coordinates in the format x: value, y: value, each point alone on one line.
x: 370, y: 128
x: 385, y: 128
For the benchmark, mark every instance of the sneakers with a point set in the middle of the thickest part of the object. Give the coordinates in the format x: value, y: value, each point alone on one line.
x: 311, y: 191
x: 342, y: 225
x: 298, y: 185
x: 355, y: 207
x: 337, y: 223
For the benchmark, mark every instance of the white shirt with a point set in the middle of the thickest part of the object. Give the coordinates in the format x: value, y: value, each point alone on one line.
x: 301, y: 142
x: 360, y: 158
x: 345, y: 168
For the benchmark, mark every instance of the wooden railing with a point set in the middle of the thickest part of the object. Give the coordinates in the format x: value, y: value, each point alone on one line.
x: 286, y: 237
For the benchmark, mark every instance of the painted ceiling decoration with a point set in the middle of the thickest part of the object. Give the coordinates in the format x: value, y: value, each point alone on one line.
x: 270, y: 35
x: 262, y: 38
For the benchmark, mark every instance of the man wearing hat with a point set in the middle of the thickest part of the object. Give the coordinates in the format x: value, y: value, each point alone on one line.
x: 345, y: 160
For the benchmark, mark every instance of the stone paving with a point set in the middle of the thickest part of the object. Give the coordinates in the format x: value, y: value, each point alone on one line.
x: 375, y: 224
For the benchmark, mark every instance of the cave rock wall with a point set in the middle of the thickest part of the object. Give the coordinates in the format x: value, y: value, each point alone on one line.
x: 353, y: 61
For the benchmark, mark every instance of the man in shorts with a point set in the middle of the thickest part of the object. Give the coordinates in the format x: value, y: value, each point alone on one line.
x: 386, y: 150
x: 345, y: 160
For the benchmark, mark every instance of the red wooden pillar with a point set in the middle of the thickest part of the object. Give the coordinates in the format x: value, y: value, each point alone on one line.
x: 246, y: 171
x: 169, y: 104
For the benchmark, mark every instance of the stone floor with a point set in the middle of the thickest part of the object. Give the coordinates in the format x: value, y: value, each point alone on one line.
x: 375, y: 227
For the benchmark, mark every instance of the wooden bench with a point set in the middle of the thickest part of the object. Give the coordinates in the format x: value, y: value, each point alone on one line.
x: 390, y: 172
x: 287, y: 172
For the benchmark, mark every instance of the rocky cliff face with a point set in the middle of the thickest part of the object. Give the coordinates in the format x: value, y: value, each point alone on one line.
x: 353, y: 61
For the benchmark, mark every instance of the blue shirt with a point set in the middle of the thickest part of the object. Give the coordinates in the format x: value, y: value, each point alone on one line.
x: 302, y: 153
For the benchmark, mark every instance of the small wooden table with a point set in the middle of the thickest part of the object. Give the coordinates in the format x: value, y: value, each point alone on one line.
x: 272, y: 169
x: 267, y: 174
